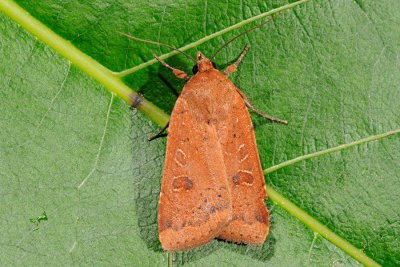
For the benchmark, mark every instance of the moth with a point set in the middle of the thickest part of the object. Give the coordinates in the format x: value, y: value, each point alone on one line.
x: 213, y: 184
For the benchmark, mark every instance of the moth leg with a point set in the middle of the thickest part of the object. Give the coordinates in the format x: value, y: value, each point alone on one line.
x: 159, y: 134
x: 232, y: 68
x: 178, y: 73
x: 255, y: 110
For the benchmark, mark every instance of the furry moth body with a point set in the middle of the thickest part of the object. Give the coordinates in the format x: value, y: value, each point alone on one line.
x: 212, y: 185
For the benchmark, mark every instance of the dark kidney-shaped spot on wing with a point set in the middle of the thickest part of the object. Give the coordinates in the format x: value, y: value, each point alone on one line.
x: 180, y: 183
x: 243, y: 178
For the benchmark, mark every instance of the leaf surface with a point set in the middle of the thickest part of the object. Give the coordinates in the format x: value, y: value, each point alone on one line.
x: 71, y: 149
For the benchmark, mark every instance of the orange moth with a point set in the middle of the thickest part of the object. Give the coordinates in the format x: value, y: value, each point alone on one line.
x: 213, y: 184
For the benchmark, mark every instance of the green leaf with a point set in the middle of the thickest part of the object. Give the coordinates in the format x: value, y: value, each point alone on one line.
x: 73, y: 151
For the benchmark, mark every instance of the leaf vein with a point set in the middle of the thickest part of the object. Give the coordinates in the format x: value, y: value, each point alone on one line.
x: 100, y: 145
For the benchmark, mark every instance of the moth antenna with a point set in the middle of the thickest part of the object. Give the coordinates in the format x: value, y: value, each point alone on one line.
x: 244, y: 32
x: 158, y: 43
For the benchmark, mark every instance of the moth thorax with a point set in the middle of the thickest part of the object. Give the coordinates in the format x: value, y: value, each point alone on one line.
x: 203, y: 63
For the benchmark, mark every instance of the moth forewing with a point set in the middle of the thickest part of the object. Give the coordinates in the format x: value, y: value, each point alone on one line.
x: 195, y: 202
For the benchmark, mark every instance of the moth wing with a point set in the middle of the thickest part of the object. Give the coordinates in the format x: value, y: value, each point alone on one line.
x: 195, y: 202
x: 250, y: 218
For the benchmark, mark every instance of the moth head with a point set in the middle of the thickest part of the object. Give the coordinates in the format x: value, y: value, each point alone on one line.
x: 203, y: 64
